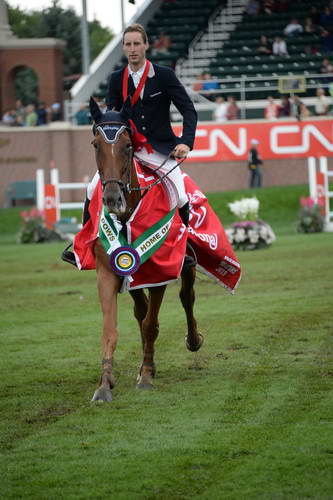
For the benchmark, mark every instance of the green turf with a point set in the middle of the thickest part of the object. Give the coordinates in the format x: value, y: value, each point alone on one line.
x: 249, y: 416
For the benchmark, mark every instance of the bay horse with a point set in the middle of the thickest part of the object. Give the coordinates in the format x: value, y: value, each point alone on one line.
x: 121, y: 193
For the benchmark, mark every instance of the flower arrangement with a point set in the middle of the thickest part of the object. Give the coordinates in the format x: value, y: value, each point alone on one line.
x: 310, y: 218
x: 250, y: 233
x: 33, y: 229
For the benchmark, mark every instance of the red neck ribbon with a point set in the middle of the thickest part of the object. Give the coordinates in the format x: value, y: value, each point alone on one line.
x: 139, y: 87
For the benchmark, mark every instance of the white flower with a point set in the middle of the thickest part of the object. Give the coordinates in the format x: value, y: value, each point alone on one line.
x: 230, y: 234
x: 253, y: 236
x: 246, y: 208
x: 240, y: 235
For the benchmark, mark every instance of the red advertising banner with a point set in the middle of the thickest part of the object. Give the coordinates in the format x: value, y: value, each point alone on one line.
x: 277, y: 140
x: 50, y: 206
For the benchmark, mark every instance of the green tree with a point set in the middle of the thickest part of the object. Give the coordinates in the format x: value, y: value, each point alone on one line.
x: 56, y: 22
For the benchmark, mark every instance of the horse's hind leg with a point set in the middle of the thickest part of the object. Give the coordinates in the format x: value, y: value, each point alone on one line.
x: 193, y: 339
x: 140, y: 308
x: 149, y: 330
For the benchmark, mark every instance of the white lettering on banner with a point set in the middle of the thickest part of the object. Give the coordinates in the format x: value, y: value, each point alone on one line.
x: 211, y: 239
x: 214, y: 136
x: 306, y: 132
x: 200, y: 217
x: 196, y: 196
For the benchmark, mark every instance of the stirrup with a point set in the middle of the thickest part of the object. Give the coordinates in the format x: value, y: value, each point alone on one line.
x: 68, y: 256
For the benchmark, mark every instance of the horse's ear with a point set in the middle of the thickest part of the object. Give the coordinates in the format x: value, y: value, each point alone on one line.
x: 95, y: 112
x: 126, y: 110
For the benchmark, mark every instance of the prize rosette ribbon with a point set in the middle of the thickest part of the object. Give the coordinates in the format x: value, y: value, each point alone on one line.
x: 124, y: 261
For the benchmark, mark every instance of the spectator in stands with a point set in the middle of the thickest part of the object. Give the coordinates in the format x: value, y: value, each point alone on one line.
x: 298, y: 108
x: 31, y: 116
x: 41, y: 114
x: 82, y: 116
x: 326, y: 68
x: 309, y: 27
x: 269, y: 6
x: 326, y: 18
x: 254, y: 162
x: 315, y: 16
x: 161, y: 45
x: 20, y: 113
x: 197, y: 85
x: 264, y: 45
x: 8, y: 118
x: 322, y: 104
x: 209, y: 83
x: 56, y: 112
x: 326, y: 40
x: 232, y: 109
x: 285, y: 107
x: 281, y: 6
x: 293, y: 28
x: 220, y: 111
x: 252, y: 8
x: 279, y: 46
x: 272, y: 109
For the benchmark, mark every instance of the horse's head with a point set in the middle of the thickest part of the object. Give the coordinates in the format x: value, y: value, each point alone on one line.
x: 114, y: 154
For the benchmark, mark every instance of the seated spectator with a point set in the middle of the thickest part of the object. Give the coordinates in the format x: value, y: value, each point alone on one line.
x: 298, y: 108
x: 20, y: 113
x: 196, y: 86
x: 269, y: 6
x: 322, y: 104
x: 41, y: 114
x: 232, y: 109
x: 279, y: 46
x: 82, y: 116
x: 9, y: 118
x: 55, y: 112
x: 272, y: 109
x: 220, y: 112
x: 264, y: 45
x: 285, y: 107
x: 315, y: 16
x: 253, y: 8
x: 161, y: 45
x: 326, y: 18
x: 326, y: 68
x: 31, y: 116
x: 281, y: 6
x: 209, y: 83
x: 326, y: 40
x: 293, y: 28
x: 309, y: 27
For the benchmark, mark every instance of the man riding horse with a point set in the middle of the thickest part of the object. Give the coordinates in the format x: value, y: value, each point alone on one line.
x: 152, y: 89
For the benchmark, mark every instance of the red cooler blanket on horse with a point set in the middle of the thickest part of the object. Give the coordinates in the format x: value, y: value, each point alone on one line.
x: 214, y: 254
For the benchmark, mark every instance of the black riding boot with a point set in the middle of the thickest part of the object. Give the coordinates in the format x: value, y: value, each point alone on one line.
x: 67, y: 255
x: 184, y: 213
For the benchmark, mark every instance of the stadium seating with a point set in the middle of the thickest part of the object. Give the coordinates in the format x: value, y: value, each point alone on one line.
x: 239, y: 56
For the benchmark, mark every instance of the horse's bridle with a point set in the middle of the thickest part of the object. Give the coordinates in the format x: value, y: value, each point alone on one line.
x: 126, y: 187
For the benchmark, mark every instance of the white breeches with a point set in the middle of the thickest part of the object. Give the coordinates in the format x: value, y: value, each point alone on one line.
x: 152, y: 161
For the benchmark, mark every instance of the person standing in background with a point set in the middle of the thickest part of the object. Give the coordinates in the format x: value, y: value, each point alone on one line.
x: 254, y: 162
x: 220, y: 112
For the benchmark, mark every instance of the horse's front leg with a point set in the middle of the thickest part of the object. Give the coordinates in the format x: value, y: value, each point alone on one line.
x: 140, y: 308
x: 108, y: 286
x: 193, y: 339
x: 149, y: 331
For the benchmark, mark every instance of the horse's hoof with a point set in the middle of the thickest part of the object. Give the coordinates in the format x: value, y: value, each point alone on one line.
x: 194, y: 348
x: 102, y: 395
x: 144, y: 383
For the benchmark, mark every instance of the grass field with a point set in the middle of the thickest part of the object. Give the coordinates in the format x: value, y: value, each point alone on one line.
x: 250, y: 416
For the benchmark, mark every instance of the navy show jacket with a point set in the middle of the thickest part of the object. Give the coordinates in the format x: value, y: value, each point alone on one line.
x: 151, y: 114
